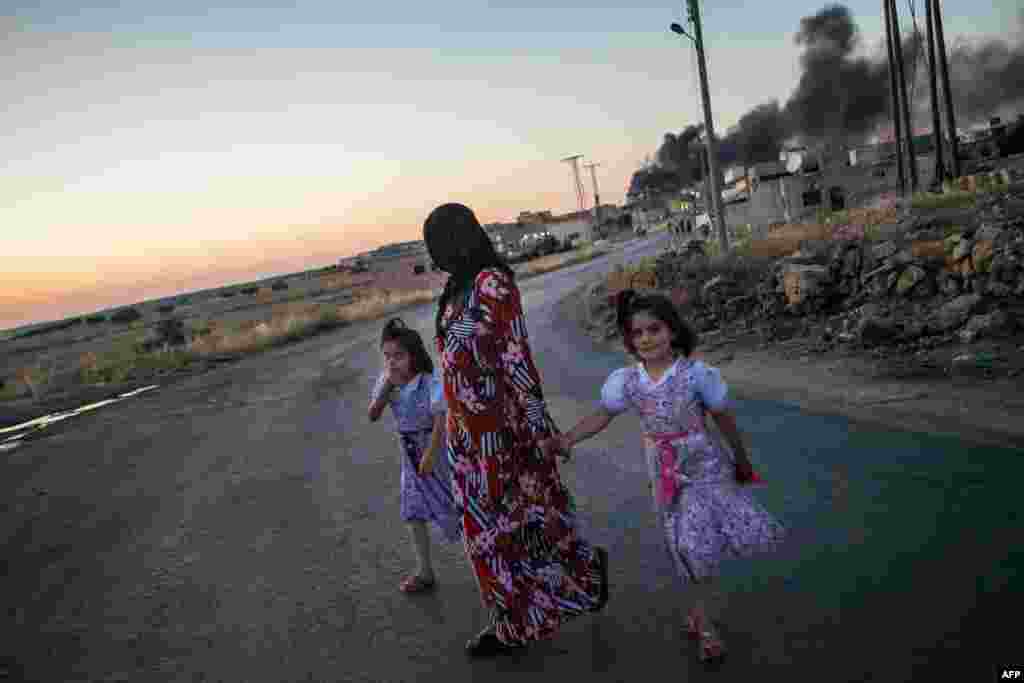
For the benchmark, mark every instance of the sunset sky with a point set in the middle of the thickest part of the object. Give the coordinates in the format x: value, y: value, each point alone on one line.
x: 154, y: 148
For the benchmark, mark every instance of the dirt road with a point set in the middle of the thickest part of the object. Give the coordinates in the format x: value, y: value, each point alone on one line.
x: 243, y: 526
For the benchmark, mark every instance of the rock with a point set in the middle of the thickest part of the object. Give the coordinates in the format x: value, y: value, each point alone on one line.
x: 998, y: 289
x: 919, y: 228
x: 883, y: 250
x: 979, y: 284
x: 954, y: 313
x: 802, y: 282
x: 933, y: 251
x: 909, y: 279
x: 717, y: 282
x: 963, y: 249
x: 816, y: 250
x: 900, y: 258
x: 913, y: 329
x: 852, y: 260
x: 1004, y: 266
x: 989, y: 232
x: 997, y: 324
x: 949, y: 284
x: 981, y: 256
x: 876, y: 329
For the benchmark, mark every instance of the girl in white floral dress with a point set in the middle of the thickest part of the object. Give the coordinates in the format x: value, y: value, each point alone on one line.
x: 706, y: 512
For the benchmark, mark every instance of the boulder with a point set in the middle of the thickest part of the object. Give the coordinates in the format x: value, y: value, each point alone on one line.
x: 963, y: 249
x: 803, y: 282
x: 956, y: 312
x: 875, y: 327
x: 901, y: 257
x: 993, y: 325
x: 883, y: 250
x: 949, y: 284
x: 933, y: 251
x: 991, y: 232
x: 909, y: 279
x: 998, y: 289
x: 981, y: 255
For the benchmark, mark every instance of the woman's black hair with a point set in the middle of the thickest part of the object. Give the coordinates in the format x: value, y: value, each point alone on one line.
x: 629, y: 302
x: 459, y: 246
x: 410, y: 340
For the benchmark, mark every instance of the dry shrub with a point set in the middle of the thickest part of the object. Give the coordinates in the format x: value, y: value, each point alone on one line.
x: 342, y: 280
x: 293, y: 321
x: 375, y: 303
x: 36, y: 377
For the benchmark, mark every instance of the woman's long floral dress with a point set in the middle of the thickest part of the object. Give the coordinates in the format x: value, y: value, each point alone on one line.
x: 533, y: 571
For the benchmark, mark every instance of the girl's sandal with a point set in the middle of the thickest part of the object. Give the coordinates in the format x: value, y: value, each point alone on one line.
x: 712, y: 647
x: 416, y: 584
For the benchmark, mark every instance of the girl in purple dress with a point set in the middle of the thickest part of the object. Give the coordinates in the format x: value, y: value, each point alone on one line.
x: 416, y: 397
x: 706, y: 512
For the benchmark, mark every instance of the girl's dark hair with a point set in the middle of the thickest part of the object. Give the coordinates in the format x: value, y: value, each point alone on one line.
x: 410, y: 340
x: 459, y: 246
x: 629, y: 302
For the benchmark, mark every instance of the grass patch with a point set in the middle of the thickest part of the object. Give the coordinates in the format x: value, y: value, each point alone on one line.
x: 288, y: 322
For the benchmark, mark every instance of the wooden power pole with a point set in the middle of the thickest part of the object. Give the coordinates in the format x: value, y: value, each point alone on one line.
x: 908, y: 129
x: 940, y: 44
x: 895, y: 93
x: 709, y: 128
x: 940, y: 167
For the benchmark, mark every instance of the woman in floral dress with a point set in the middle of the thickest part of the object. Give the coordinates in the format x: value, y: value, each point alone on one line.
x: 705, y: 510
x: 533, y: 570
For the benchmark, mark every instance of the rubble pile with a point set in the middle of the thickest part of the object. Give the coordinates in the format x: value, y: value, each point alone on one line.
x: 922, y: 284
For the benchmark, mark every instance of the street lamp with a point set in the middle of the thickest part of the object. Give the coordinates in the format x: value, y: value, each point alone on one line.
x: 709, y: 129
x: 676, y: 28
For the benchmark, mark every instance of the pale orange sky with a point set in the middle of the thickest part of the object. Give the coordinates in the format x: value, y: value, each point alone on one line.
x: 155, y: 148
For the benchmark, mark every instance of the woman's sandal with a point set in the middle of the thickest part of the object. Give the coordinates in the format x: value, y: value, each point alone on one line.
x: 602, y: 558
x: 486, y: 644
x: 416, y: 584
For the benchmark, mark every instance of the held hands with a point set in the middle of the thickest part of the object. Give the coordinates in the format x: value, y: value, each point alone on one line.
x: 745, y: 472
x: 556, y: 445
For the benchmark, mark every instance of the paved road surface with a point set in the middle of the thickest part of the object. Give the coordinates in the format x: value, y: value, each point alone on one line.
x: 243, y: 526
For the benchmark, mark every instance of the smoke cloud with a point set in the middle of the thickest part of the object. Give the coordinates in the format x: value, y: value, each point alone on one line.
x: 986, y: 78
x: 842, y: 98
x: 838, y: 95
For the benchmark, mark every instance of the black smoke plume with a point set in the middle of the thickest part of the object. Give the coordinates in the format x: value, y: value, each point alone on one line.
x: 843, y: 99
x: 986, y: 78
x: 838, y: 95
x: 757, y: 137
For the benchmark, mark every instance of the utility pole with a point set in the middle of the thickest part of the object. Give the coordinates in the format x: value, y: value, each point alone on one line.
x: 895, y: 92
x: 940, y: 40
x: 709, y: 128
x: 574, y: 162
x: 597, y: 195
x: 897, y: 43
x: 940, y: 167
